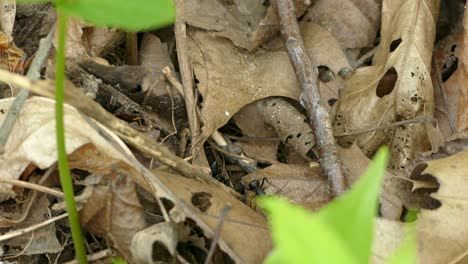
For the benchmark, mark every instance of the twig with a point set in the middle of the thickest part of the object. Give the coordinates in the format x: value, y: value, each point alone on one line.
x: 32, y: 199
x: 395, y: 124
x: 20, y: 232
x: 86, y: 105
x: 95, y: 256
x: 217, y: 233
x: 318, y: 114
x: 363, y: 59
x: 34, y: 74
x: 33, y: 186
x: 186, y: 71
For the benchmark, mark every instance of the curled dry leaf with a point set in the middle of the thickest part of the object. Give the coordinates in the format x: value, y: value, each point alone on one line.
x: 396, y: 87
x: 442, y: 232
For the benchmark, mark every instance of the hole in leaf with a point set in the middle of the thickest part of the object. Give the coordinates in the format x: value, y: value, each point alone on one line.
x: 201, y: 200
x: 394, y: 45
x: 332, y: 101
x: 325, y: 74
x: 453, y: 48
x: 450, y: 66
x: 387, y: 83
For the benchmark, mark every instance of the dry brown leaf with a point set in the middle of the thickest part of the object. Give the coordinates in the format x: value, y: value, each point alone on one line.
x: 269, y: 25
x: 371, y: 99
x: 304, y: 185
x: 353, y: 22
x: 41, y: 241
x: 230, y: 19
x: 442, y: 233
x: 113, y: 210
x: 241, y: 224
x: 230, y: 79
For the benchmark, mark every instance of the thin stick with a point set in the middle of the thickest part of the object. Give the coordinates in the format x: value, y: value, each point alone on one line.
x: 33, y: 186
x: 186, y: 71
x: 34, y: 73
x: 395, y: 124
x: 95, y: 256
x: 20, y: 232
x: 217, y: 233
x: 319, y: 117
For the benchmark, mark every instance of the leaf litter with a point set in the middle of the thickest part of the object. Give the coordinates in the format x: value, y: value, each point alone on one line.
x: 250, y: 106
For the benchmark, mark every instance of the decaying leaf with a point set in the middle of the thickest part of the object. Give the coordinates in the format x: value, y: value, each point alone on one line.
x: 396, y: 87
x: 442, y: 232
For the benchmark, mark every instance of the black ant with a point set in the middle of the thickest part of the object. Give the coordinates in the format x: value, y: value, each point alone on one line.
x: 257, y: 186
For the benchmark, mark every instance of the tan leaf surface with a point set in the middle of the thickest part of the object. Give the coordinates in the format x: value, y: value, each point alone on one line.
x: 234, y: 20
x: 230, y: 79
x: 252, y: 125
x: 370, y: 98
x: 301, y: 184
x: 7, y: 17
x: 241, y: 224
x: 356, y: 164
x: 443, y: 232
x: 353, y: 22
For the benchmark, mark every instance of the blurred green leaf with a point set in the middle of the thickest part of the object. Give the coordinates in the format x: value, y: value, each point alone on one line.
x: 339, y: 233
x: 131, y: 15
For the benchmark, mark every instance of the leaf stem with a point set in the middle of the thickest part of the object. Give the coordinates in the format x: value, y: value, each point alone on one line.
x: 64, y: 169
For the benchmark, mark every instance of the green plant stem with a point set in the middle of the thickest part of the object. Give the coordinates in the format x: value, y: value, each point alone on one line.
x: 64, y: 169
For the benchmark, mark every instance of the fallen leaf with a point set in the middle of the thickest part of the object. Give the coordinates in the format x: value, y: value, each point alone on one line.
x: 396, y: 87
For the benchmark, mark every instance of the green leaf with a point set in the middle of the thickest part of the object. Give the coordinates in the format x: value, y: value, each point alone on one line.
x: 352, y: 215
x: 301, y: 237
x: 340, y: 233
x: 131, y: 15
